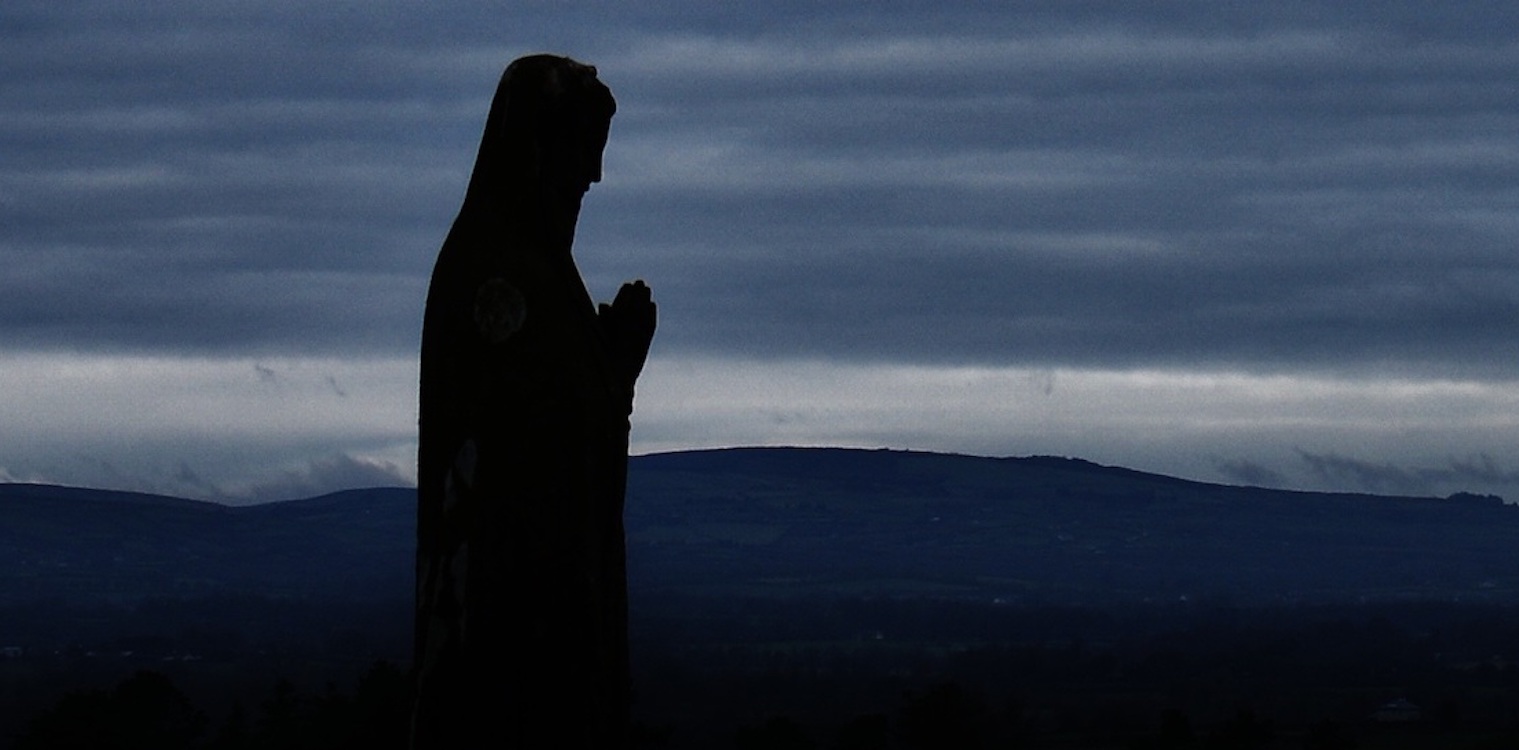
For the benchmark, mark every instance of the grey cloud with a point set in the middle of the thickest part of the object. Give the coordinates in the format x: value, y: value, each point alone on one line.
x: 189, y: 483
x: 234, y: 313
x: 1370, y: 476
x: 318, y: 477
x: 339, y: 472
x: 1247, y: 472
x: 117, y: 470
x: 1307, y: 186
x: 1482, y: 469
x: 1479, y: 473
x: 1380, y: 245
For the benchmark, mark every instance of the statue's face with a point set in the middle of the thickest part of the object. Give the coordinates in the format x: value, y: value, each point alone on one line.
x: 548, y: 126
x: 572, y: 148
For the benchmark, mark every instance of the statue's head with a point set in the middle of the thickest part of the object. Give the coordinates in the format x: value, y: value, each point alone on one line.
x: 550, y: 120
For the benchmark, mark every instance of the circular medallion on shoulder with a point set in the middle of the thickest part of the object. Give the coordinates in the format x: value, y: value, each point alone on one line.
x: 500, y: 310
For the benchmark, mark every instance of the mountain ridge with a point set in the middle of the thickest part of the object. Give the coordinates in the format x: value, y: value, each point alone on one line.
x: 796, y: 521
x: 46, y: 490
x: 1033, y: 460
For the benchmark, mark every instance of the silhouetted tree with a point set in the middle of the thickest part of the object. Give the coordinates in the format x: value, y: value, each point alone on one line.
x: 1175, y: 732
x: 645, y: 736
x: 381, y: 709
x: 1244, y: 731
x: 1329, y: 735
x: 869, y: 732
x: 80, y: 720
x: 943, y: 717
x: 777, y: 733
x: 234, y: 732
x: 280, y: 722
x: 144, y: 712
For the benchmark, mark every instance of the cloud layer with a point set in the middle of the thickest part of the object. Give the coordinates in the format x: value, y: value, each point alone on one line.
x: 1307, y: 192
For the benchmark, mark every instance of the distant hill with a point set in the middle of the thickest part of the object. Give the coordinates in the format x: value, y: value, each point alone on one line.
x: 811, y: 522
x: 1043, y: 530
x: 95, y: 545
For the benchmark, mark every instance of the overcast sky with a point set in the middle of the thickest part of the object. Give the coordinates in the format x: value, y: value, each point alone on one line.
x: 1254, y: 243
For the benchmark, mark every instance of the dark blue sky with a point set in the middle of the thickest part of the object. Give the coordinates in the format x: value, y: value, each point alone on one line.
x: 1232, y: 242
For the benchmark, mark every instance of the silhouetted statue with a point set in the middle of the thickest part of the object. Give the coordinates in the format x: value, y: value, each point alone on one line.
x: 521, y: 629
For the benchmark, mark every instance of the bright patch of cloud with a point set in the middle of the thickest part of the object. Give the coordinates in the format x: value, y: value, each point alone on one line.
x: 244, y: 430
x: 233, y: 430
x: 1227, y: 427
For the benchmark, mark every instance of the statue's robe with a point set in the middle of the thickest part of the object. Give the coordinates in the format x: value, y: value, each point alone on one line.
x: 526, y: 391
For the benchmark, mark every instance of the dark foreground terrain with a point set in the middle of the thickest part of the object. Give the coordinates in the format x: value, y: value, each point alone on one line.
x: 806, y: 598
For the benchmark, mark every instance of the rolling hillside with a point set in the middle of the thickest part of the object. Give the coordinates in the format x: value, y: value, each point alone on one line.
x: 804, y: 522
x: 889, y: 523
